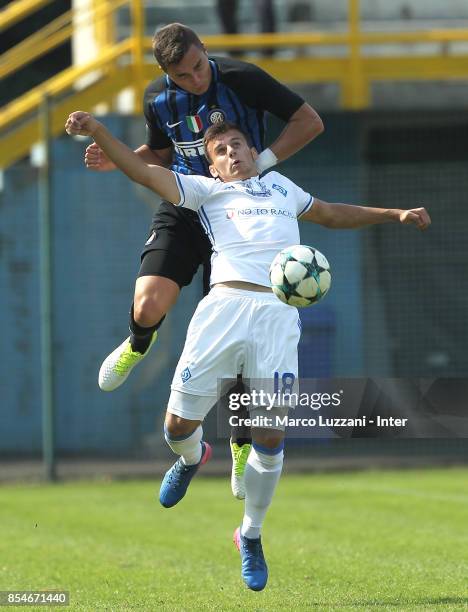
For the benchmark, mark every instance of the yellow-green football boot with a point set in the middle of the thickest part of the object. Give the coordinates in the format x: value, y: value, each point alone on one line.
x: 240, y: 455
x: 117, y: 366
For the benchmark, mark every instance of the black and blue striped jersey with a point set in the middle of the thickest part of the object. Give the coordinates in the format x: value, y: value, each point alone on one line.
x: 239, y: 92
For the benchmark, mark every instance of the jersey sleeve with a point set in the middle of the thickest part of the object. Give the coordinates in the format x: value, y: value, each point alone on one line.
x: 260, y: 90
x: 156, y: 138
x: 194, y: 190
x: 302, y: 199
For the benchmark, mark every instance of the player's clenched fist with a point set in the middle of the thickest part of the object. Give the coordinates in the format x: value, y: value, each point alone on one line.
x: 417, y: 216
x: 80, y: 123
x: 96, y: 159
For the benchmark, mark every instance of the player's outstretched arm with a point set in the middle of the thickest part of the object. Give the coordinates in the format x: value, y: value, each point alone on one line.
x: 156, y: 178
x: 348, y: 216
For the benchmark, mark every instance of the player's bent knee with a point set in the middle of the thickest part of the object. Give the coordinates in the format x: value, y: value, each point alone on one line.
x: 154, y: 297
x: 176, y: 426
x: 148, y: 311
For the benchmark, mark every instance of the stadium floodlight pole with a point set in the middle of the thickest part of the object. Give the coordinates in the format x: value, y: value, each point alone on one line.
x: 45, y: 259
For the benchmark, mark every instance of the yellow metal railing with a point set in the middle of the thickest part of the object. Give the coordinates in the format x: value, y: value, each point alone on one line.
x: 354, y: 68
x: 36, y: 45
x: 18, y: 10
x: 54, y: 34
x: 60, y: 84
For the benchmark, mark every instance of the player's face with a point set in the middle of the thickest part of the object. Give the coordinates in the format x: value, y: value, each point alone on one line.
x: 193, y: 72
x: 232, y: 158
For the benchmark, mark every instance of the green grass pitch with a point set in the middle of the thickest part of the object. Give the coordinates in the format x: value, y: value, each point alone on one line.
x: 344, y: 541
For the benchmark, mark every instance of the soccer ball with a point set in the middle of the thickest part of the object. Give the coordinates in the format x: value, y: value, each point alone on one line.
x: 300, y: 275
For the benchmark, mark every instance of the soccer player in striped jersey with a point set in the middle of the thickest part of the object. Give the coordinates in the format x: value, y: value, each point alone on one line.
x: 195, y: 93
x: 240, y: 326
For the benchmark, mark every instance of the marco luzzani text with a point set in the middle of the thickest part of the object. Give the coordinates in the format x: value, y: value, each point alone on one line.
x: 315, y: 401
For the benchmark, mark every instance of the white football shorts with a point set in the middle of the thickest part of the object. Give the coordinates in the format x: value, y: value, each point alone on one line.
x: 234, y: 331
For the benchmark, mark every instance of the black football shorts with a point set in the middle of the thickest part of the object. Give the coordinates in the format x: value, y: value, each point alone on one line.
x: 178, y: 245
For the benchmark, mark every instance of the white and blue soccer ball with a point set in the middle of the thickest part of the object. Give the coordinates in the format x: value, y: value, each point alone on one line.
x: 300, y: 275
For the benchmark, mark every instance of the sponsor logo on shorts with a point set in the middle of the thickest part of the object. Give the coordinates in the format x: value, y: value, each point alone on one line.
x: 151, y: 238
x: 216, y: 116
x: 282, y: 190
x: 185, y: 375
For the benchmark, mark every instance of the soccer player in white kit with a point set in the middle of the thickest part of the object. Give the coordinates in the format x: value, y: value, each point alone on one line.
x: 240, y: 326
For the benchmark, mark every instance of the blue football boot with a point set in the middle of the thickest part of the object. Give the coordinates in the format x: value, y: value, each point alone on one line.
x: 177, y: 479
x: 254, y: 569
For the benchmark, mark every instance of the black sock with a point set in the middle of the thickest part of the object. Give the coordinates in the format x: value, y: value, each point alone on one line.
x: 240, y: 441
x: 140, y: 337
x: 241, y: 434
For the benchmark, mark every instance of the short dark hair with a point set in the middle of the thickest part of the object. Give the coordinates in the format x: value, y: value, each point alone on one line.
x: 222, y: 128
x: 172, y: 42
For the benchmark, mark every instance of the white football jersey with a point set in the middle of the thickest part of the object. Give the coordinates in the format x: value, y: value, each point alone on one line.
x: 248, y: 221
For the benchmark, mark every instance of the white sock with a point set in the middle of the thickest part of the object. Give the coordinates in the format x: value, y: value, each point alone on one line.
x: 188, y: 447
x: 262, y: 473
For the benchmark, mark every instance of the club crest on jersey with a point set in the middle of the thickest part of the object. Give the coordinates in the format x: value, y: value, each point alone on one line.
x: 282, y: 190
x: 194, y: 123
x: 216, y: 115
x: 257, y: 188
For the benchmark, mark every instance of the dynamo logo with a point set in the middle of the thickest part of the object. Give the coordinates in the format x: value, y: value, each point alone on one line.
x: 257, y: 188
x: 185, y: 375
x: 282, y: 190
